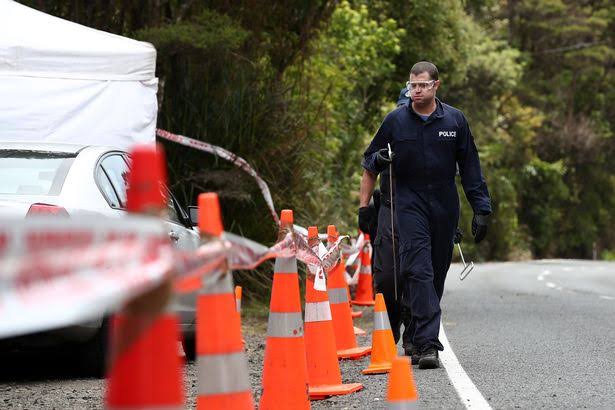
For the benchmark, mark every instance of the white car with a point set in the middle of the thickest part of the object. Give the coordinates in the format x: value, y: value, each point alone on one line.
x: 69, y: 180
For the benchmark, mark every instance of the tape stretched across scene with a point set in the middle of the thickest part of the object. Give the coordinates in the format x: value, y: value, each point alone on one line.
x: 353, y: 258
x: 351, y: 252
x: 56, y: 272
x: 227, y: 155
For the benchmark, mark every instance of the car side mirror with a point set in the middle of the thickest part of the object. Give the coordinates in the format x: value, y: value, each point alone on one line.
x: 193, y: 212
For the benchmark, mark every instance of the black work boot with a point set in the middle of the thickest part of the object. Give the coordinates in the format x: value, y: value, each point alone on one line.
x: 429, y: 359
x: 413, y: 353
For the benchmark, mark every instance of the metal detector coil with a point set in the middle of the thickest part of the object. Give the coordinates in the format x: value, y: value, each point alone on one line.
x: 467, y: 268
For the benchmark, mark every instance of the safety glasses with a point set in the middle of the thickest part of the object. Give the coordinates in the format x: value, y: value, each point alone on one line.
x: 420, y: 85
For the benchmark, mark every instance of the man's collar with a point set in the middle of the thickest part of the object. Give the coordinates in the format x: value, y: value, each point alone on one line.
x: 437, y: 113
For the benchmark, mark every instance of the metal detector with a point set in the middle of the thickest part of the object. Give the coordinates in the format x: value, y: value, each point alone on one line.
x: 467, y: 268
x: 392, y: 221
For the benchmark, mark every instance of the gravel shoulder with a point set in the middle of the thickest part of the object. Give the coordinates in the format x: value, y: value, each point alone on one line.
x: 51, y: 380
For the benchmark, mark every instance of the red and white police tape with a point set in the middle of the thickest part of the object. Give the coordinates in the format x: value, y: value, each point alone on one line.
x: 352, y: 254
x: 241, y: 163
x: 227, y: 155
x: 58, y: 272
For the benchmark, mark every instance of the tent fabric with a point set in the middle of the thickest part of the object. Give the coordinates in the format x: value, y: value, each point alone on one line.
x: 64, y: 82
x: 36, y: 44
x: 113, y: 113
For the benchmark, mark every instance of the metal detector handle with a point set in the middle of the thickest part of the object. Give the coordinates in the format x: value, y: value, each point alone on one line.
x: 466, y: 268
x: 392, y: 221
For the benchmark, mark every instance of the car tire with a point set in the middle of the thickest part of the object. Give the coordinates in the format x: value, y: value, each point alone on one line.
x: 93, y: 353
x: 189, y: 345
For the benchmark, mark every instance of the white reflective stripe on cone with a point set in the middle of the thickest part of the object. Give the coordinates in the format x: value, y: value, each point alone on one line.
x: 366, y: 270
x: 238, y: 304
x: 337, y: 295
x: 217, y: 283
x: 402, y: 405
x: 285, y: 324
x: 285, y: 265
x: 381, y: 321
x: 317, y: 312
x: 222, y: 373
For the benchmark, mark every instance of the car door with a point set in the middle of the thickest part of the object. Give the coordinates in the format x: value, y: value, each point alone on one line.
x: 181, y: 234
x: 112, y: 181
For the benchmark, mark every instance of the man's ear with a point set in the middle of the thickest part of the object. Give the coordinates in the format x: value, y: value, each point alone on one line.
x: 436, y: 85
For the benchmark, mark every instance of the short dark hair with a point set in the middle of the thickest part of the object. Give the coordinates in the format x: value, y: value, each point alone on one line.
x: 425, y: 67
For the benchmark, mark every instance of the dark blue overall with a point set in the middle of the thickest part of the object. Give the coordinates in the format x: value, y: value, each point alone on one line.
x: 427, y: 204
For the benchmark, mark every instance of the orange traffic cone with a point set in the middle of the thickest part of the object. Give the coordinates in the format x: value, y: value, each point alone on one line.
x: 355, y: 313
x: 145, y: 369
x: 223, y: 378
x: 238, y: 291
x: 147, y: 372
x: 402, y: 393
x: 383, y: 345
x: 365, y: 294
x: 285, y: 369
x: 337, y: 290
x: 324, y: 377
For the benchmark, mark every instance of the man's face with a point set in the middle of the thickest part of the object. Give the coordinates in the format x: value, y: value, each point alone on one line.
x: 422, y: 88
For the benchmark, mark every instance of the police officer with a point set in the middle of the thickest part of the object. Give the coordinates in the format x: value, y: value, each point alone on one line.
x: 428, y: 139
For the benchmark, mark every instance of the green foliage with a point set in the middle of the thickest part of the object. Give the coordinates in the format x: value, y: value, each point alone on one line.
x: 569, y: 49
x: 543, y: 193
x: 329, y: 94
x: 607, y: 255
x: 209, y: 32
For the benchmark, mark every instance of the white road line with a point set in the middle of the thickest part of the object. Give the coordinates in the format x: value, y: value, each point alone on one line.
x: 466, y: 390
x: 607, y: 297
x: 544, y: 273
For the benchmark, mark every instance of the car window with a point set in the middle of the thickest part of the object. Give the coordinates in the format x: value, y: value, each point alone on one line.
x: 172, y: 214
x: 117, y: 170
x: 24, y: 172
x: 107, y: 189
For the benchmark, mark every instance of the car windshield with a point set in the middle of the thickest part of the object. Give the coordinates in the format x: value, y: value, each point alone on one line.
x: 25, y: 172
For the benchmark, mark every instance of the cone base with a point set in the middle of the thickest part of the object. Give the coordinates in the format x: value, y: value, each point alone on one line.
x: 356, y: 313
x: 324, y: 391
x: 378, y: 368
x: 354, y: 353
x: 284, y: 374
x: 359, y: 332
x: 363, y: 302
x: 239, y: 400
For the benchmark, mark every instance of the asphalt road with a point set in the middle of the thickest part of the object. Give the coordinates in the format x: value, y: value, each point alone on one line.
x: 536, y: 334
x: 527, y: 335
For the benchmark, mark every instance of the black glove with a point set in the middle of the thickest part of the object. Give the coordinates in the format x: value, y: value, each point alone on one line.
x: 382, y: 158
x: 365, y: 219
x: 458, y: 236
x: 479, y: 227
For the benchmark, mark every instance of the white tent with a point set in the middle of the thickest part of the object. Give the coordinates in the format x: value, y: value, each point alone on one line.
x: 63, y: 82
